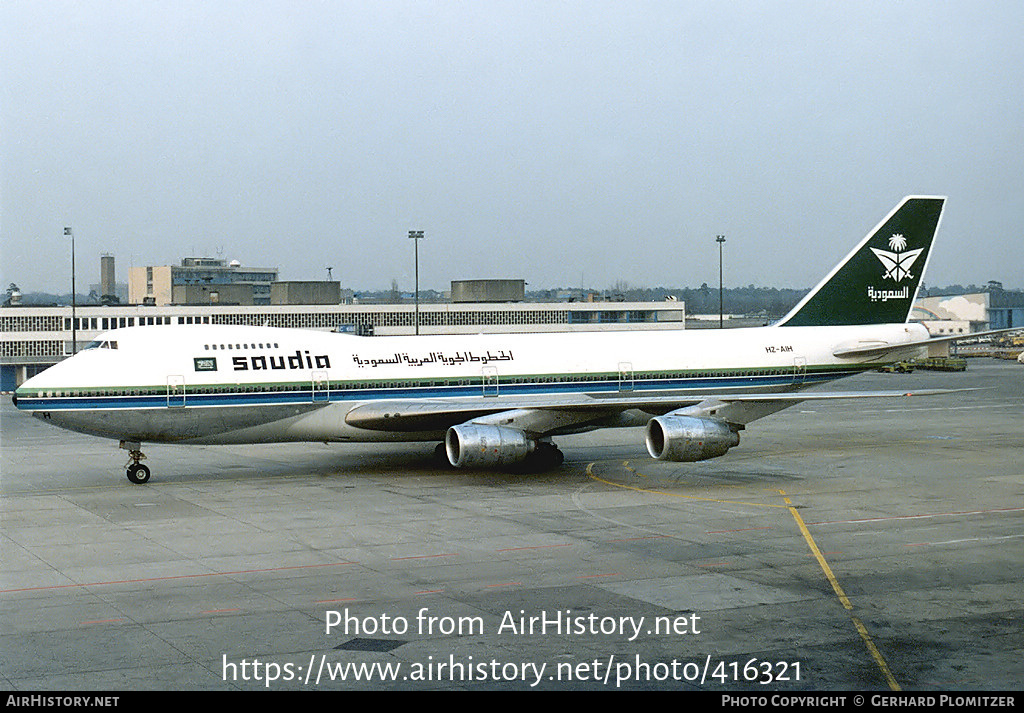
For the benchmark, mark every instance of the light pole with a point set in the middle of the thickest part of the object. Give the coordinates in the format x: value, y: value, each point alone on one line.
x: 720, y: 239
x: 416, y: 236
x: 74, y: 326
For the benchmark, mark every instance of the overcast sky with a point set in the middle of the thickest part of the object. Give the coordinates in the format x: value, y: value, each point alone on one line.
x: 564, y: 143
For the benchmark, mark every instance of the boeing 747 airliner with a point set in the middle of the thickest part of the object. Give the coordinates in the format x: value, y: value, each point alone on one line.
x: 497, y: 399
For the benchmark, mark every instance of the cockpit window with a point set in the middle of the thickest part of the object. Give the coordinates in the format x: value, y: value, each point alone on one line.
x: 100, y: 344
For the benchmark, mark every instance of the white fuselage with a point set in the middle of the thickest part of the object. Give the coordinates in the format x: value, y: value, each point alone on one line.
x: 236, y: 384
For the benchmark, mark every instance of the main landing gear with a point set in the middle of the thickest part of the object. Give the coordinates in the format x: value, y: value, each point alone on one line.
x: 545, y: 457
x: 136, y: 472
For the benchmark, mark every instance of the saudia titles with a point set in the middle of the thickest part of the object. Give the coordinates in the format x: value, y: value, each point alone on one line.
x: 299, y: 360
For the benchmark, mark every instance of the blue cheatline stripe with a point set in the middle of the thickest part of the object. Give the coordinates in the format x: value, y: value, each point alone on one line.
x: 305, y: 395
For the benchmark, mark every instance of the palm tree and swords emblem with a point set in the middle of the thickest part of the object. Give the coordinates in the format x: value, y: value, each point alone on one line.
x: 897, y: 263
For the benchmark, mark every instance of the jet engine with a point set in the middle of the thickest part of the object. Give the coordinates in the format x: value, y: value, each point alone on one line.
x: 688, y: 438
x: 472, y: 444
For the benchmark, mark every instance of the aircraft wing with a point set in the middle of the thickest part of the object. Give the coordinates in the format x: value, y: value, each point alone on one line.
x: 548, y: 416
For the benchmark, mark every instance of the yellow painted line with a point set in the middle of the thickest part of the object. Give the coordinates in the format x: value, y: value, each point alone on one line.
x: 876, y: 655
x: 817, y: 553
x: 625, y: 464
x: 861, y: 629
x: 590, y: 473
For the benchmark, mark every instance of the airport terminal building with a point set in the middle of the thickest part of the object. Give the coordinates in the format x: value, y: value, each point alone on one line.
x: 34, y: 338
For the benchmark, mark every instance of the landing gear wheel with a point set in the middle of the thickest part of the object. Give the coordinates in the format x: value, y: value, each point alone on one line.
x: 441, y: 455
x: 137, y: 473
x: 546, y: 457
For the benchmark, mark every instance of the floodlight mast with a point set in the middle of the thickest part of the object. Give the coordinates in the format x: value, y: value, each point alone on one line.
x: 720, y: 239
x: 416, y: 236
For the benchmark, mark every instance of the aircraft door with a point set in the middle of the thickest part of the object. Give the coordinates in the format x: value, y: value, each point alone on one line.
x: 799, y: 369
x: 625, y: 376
x: 321, y: 386
x: 490, y: 381
x: 175, y: 391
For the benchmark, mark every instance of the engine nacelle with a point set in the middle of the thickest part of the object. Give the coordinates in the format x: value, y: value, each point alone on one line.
x: 472, y: 444
x: 688, y: 438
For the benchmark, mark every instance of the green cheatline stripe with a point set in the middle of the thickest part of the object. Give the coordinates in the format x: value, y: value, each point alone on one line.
x: 511, y: 380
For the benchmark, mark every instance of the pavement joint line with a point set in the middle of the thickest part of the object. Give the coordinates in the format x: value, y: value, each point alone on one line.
x: 168, y: 578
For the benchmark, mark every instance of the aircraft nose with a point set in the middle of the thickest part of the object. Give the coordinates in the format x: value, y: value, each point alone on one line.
x: 25, y: 391
x: 18, y: 394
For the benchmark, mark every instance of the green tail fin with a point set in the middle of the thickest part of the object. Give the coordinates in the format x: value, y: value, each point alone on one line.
x: 878, y: 281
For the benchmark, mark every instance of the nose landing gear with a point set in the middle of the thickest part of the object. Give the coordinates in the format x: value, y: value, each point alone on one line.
x: 136, y: 472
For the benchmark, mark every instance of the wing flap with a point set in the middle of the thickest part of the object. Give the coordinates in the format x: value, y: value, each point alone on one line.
x: 741, y: 409
x: 405, y: 416
x: 797, y: 397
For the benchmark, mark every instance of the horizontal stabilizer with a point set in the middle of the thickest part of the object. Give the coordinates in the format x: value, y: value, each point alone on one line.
x: 882, y: 348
